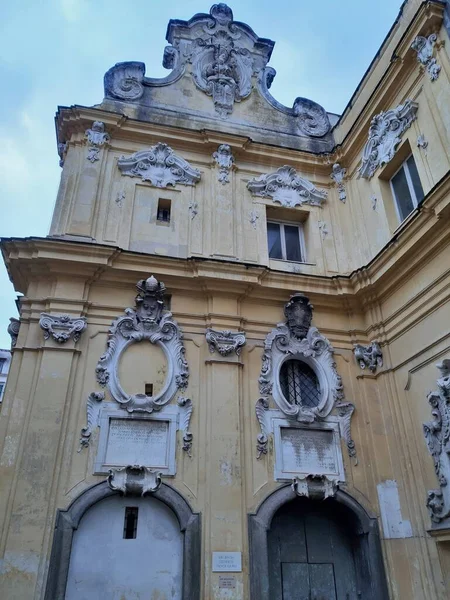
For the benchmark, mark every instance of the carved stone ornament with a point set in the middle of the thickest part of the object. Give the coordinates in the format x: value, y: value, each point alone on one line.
x: 424, y: 48
x: 437, y: 436
x: 422, y: 142
x: 314, y: 485
x: 287, y: 188
x: 93, y: 406
x: 185, y: 405
x: 134, y: 480
x: 369, y: 356
x: 62, y: 151
x: 296, y: 339
x: 337, y: 175
x: 62, y: 327
x: 160, y: 166
x: 225, y: 342
x: 148, y: 321
x: 254, y: 216
x: 385, y: 134
x: 224, y: 160
x: 13, y: 330
x: 96, y: 137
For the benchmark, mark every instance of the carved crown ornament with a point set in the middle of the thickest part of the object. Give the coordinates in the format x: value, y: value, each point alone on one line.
x: 96, y: 137
x: 225, y: 342
x: 296, y: 340
x: 437, y: 436
x: 338, y: 174
x: 62, y: 327
x: 385, y: 134
x: 424, y: 46
x: 369, y: 356
x: 286, y: 187
x: 160, y: 166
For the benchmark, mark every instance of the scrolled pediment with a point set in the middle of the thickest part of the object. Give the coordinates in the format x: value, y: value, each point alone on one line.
x: 287, y: 187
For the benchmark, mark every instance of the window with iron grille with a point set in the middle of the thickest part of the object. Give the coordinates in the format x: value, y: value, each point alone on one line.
x: 300, y: 384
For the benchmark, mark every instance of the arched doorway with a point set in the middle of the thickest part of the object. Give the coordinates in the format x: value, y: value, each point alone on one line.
x: 310, y: 548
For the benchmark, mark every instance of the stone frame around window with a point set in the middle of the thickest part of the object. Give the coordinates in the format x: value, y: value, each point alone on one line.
x: 410, y: 184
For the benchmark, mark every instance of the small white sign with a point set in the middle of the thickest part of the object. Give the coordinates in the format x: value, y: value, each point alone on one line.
x: 230, y: 562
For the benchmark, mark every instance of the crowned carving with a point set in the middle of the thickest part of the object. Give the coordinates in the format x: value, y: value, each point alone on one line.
x: 369, y: 356
x: 13, y: 330
x: 225, y: 342
x: 96, y: 137
x: 286, y: 187
x: 338, y: 174
x: 160, y: 166
x: 93, y: 405
x: 385, y: 134
x: 62, y: 327
x: 224, y: 160
x: 437, y: 436
x: 296, y: 339
x: 134, y: 480
x: 148, y: 321
x: 424, y: 47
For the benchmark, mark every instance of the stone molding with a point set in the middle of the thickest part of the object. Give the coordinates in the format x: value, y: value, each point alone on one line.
x: 93, y: 406
x: 96, y: 137
x: 437, y: 436
x: 134, y: 480
x: 62, y: 327
x: 13, y: 330
x: 424, y: 47
x: 224, y: 160
x: 369, y: 356
x: 286, y: 187
x: 225, y: 342
x: 385, y: 134
x: 338, y: 174
x: 160, y: 166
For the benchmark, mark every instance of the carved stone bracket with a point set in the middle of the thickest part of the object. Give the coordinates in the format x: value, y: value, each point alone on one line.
x: 369, y: 356
x: 134, y: 480
x: 286, y: 187
x: 422, y: 142
x: 93, y: 406
x: 225, y: 342
x: 186, y: 408
x: 337, y: 175
x: 147, y: 321
x: 437, y: 436
x: 224, y: 160
x: 314, y: 485
x: 62, y: 327
x: 385, y: 134
x: 13, y: 330
x: 424, y: 48
x: 96, y: 137
x: 160, y: 166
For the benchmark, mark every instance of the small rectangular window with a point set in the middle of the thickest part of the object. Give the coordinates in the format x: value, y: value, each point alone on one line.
x: 285, y: 241
x: 2, y: 363
x: 130, y: 522
x: 149, y: 389
x: 406, y: 188
x: 163, y: 214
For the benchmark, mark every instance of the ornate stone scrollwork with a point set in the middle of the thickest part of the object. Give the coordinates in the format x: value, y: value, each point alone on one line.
x: 124, y: 81
x: 160, y: 166
x: 224, y: 159
x: 437, y: 436
x: 93, y: 406
x: 150, y: 322
x: 297, y: 340
x: 286, y: 187
x: 314, y: 485
x: 13, y: 330
x: 96, y: 137
x: 337, y: 175
x: 134, y: 480
x: 225, y: 342
x: 186, y: 408
x: 369, y: 356
x: 385, y: 134
x: 62, y: 327
x: 424, y: 48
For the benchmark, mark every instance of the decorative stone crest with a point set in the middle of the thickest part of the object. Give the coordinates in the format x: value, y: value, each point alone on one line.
x: 225, y: 342
x: 134, y: 480
x: 13, y: 330
x: 93, y: 406
x: 314, y: 485
x: 96, y: 137
x: 323, y: 228
x: 62, y: 327
x: 151, y: 322
x: 186, y: 412
x: 224, y: 159
x: 385, y: 134
x: 437, y: 436
x: 254, y: 216
x: 337, y: 175
x: 422, y: 143
x: 287, y: 188
x: 160, y: 166
x: 296, y: 339
x: 369, y: 356
x: 62, y: 151
x: 424, y: 48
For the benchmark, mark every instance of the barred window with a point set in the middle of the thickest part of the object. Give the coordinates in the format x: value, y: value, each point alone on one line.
x: 299, y: 384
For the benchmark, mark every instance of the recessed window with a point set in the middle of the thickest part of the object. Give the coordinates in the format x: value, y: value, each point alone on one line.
x: 299, y: 384
x: 149, y: 389
x: 285, y: 241
x: 2, y: 387
x: 163, y: 214
x: 130, y: 522
x: 406, y: 188
x: 2, y: 363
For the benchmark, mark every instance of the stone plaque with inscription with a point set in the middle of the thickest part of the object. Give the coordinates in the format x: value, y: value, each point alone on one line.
x: 137, y: 442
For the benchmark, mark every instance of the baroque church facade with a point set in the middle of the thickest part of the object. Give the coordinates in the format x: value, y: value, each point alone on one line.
x: 231, y: 371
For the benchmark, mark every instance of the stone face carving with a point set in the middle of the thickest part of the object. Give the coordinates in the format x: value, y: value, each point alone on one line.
x: 96, y: 137
x: 422, y: 143
x: 337, y: 175
x: 151, y: 322
x: 224, y: 159
x: 186, y: 407
x: 134, y: 480
x: 314, y: 485
x: 13, y: 330
x: 225, y: 342
x: 62, y: 151
x: 160, y: 166
x: 385, y: 134
x: 369, y: 356
x: 92, y: 414
x: 62, y: 327
x: 437, y: 436
x: 296, y: 339
x: 287, y: 188
x: 424, y: 48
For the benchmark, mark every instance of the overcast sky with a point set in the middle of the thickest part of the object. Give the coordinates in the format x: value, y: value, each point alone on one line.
x: 55, y: 52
